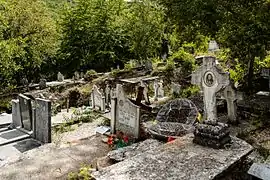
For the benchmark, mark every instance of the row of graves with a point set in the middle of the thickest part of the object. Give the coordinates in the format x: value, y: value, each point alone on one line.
x: 31, y: 119
x: 199, y: 150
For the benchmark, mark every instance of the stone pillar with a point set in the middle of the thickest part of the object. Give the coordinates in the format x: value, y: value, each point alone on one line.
x: 156, y: 90
x: 113, y: 114
x: 16, y: 115
x: 43, y: 121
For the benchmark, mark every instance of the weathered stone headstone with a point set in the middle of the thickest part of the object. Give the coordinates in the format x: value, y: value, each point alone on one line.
x: 60, y: 77
x: 145, y: 92
x: 42, y: 84
x: 160, y: 89
x: 156, y: 90
x: 107, y: 94
x: 43, y: 121
x: 82, y: 75
x: 26, y: 112
x: 176, y: 88
x: 125, y: 114
x: 211, y: 79
x: 16, y: 115
x: 231, y: 96
x: 76, y: 75
x: 265, y: 73
x: 98, y: 100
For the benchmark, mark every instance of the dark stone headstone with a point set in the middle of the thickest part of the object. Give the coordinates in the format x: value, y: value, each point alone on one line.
x: 43, y: 121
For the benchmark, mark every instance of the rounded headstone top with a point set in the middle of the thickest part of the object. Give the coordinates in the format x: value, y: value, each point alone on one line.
x: 179, y: 111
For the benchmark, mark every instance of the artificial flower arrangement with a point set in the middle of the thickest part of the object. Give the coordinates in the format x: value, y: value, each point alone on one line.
x: 118, y: 140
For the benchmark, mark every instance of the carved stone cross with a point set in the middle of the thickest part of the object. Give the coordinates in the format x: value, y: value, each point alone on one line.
x: 211, y: 79
x: 231, y: 96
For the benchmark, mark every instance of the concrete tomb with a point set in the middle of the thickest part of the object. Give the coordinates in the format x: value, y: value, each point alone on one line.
x: 16, y: 113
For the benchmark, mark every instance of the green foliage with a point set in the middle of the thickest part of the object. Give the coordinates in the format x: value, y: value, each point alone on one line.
x: 144, y: 22
x: 91, y: 36
x: 189, y: 91
x: 186, y: 60
x: 83, y: 174
x: 28, y: 38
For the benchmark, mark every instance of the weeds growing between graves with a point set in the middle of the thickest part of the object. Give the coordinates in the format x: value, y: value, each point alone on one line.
x: 83, y: 174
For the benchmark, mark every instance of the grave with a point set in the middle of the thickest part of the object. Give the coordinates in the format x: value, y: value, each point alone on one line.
x: 26, y: 112
x: 60, y: 77
x: 160, y: 89
x: 16, y: 113
x: 156, y: 90
x: 211, y: 79
x: 98, y: 100
x: 42, y: 84
x: 76, y: 75
x: 231, y: 95
x: 43, y: 121
x: 108, y: 95
x: 260, y: 170
x: 213, y: 46
x: 176, y: 88
x: 180, y: 159
x: 125, y: 116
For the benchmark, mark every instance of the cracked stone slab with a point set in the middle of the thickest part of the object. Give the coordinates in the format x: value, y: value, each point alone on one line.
x: 133, y: 150
x: 180, y: 159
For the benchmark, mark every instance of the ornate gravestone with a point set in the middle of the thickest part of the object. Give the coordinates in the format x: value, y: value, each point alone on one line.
x: 156, y: 90
x: 60, y: 77
x: 213, y: 46
x: 231, y: 96
x: 211, y: 79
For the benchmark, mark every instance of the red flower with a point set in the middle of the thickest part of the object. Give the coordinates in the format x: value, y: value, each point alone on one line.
x: 110, y: 140
x: 125, y: 139
x: 170, y: 139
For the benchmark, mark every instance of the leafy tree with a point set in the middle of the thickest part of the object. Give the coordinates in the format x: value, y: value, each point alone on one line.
x: 28, y: 38
x: 90, y: 35
x: 240, y: 25
x: 145, y: 25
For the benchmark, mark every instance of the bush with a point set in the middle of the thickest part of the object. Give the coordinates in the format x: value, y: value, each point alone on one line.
x: 90, y: 75
x: 190, y: 91
x: 84, y: 173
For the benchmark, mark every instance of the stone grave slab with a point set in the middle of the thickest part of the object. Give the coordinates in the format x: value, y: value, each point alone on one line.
x: 260, y: 170
x: 11, y: 136
x: 180, y: 159
x: 122, y: 154
x: 5, y: 119
x: 26, y: 112
x: 43, y: 121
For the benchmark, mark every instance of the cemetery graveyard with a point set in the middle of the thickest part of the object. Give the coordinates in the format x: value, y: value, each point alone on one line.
x: 140, y: 125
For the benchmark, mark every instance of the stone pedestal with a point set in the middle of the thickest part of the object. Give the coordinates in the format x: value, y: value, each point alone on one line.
x: 212, y: 134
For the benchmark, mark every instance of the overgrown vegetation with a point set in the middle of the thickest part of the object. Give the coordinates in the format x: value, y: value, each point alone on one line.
x: 83, y: 174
